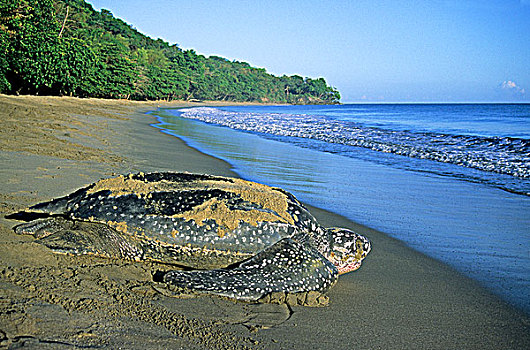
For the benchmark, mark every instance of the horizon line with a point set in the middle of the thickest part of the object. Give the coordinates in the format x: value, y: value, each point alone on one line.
x: 433, y: 102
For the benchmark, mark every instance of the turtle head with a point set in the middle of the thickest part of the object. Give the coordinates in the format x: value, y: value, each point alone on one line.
x: 347, y: 249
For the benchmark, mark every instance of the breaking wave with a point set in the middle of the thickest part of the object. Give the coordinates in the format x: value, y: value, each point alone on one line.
x: 500, y: 155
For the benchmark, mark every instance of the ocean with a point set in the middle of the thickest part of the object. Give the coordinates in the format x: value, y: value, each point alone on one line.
x: 449, y: 180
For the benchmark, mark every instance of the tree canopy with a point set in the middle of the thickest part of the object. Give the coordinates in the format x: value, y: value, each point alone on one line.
x: 65, y: 47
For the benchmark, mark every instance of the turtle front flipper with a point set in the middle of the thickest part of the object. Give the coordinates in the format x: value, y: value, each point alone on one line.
x: 77, y: 238
x: 287, y: 266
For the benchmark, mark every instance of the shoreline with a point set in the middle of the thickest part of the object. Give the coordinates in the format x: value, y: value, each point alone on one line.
x: 398, y: 299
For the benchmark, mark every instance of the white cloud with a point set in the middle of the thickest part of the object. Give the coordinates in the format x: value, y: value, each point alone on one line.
x: 512, y: 86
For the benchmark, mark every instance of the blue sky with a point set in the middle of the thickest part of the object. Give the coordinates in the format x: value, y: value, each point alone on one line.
x: 373, y: 51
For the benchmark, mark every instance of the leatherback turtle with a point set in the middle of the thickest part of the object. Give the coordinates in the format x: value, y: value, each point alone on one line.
x: 240, y: 239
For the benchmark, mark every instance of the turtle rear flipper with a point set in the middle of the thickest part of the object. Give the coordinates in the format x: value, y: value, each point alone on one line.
x: 287, y: 266
x: 78, y: 238
x: 44, y: 227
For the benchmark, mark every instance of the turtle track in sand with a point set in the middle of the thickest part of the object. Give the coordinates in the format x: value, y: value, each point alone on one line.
x: 87, y: 289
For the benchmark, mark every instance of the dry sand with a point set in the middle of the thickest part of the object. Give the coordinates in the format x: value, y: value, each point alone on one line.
x: 51, y: 146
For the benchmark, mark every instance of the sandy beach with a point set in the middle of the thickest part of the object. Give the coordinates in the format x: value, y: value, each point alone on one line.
x: 50, y: 146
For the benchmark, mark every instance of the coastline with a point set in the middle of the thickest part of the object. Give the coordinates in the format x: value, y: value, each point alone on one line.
x: 51, y: 146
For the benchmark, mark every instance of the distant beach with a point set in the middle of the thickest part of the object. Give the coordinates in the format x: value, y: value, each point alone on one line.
x: 49, y: 147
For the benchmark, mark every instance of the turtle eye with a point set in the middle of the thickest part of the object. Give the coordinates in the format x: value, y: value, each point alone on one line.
x: 359, y: 244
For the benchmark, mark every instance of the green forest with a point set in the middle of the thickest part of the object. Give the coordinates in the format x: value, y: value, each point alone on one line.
x: 65, y: 47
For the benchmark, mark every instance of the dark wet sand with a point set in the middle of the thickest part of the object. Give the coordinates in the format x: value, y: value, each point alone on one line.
x: 399, y: 299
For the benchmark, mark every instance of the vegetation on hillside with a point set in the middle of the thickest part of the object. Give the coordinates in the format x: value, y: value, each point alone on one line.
x: 65, y: 47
